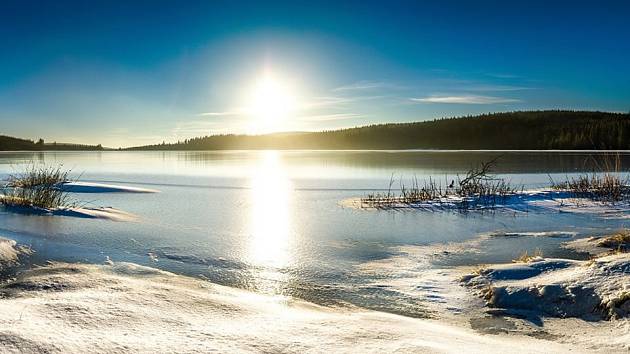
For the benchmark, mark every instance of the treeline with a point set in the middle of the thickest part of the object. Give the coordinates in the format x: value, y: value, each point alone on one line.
x: 8, y: 143
x: 535, y: 130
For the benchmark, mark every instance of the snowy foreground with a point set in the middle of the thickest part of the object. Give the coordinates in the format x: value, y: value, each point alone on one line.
x: 122, y: 307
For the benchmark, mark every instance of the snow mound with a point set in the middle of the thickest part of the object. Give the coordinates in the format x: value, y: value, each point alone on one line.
x: 106, y: 213
x: 599, y: 245
x: 9, y: 252
x: 594, y: 289
x: 85, y: 187
x: 75, y: 308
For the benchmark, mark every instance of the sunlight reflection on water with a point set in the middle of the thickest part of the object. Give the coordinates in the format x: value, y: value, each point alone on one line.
x: 270, y: 213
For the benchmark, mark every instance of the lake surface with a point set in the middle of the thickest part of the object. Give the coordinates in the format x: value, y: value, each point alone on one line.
x: 271, y: 221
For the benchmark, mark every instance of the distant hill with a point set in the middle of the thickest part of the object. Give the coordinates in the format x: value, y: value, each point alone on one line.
x: 8, y: 143
x: 535, y: 130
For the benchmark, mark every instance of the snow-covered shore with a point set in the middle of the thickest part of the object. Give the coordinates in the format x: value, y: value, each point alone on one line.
x: 528, y: 201
x: 100, y: 213
x: 129, y: 308
x: 595, y: 289
x: 124, y: 307
x: 587, y: 302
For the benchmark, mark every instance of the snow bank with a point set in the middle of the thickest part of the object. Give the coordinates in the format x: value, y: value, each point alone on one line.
x: 85, y: 187
x: 104, y: 213
x: 129, y: 308
x: 594, y: 289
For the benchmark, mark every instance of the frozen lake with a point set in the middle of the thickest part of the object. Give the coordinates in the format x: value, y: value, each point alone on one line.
x: 270, y: 221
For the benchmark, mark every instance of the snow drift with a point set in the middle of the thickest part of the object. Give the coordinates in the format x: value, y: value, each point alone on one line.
x: 599, y: 288
x: 129, y: 308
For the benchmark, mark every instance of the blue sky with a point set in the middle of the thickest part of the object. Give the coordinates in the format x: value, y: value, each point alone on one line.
x: 124, y: 73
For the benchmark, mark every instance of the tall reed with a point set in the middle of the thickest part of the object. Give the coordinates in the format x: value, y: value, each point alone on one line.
x: 607, y: 182
x: 477, y: 188
x: 36, y: 186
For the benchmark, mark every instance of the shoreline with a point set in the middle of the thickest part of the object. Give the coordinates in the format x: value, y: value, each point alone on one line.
x: 337, y: 150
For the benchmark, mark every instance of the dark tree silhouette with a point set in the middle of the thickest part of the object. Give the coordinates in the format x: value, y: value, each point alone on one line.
x: 535, y: 130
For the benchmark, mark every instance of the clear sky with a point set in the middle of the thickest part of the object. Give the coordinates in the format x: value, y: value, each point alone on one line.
x: 125, y: 73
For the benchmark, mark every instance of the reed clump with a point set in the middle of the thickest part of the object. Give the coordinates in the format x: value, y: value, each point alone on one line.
x: 603, y: 186
x: 36, y: 186
x: 526, y: 257
x: 479, y: 187
x: 607, y: 182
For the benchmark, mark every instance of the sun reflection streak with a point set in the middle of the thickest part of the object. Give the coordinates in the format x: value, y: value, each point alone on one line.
x: 270, y: 219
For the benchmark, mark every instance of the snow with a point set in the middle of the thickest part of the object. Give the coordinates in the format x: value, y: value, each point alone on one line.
x: 9, y: 252
x: 86, y: 187
x: 534, y: 201
x: 559, y: 287
x: 105, y: 213
x: 129, y: 308
x: 101, y: 213
x: 124, y: 307
x: 588, y: 245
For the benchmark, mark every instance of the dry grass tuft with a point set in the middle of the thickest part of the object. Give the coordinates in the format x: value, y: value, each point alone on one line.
x: 607, y: 183
x: 525, y: 257
x: 36, y: 186
x: 619, y: 242
x: 477, y: 188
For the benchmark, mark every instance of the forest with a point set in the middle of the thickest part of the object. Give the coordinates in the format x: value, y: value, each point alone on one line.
x: 8, y: 143
x: 523, y: 130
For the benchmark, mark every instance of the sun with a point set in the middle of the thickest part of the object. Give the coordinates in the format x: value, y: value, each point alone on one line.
x: 272, y: 103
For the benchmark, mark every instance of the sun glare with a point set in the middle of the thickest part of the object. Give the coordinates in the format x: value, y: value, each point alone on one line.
x: 272, y: 104
x: 270, y: 222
